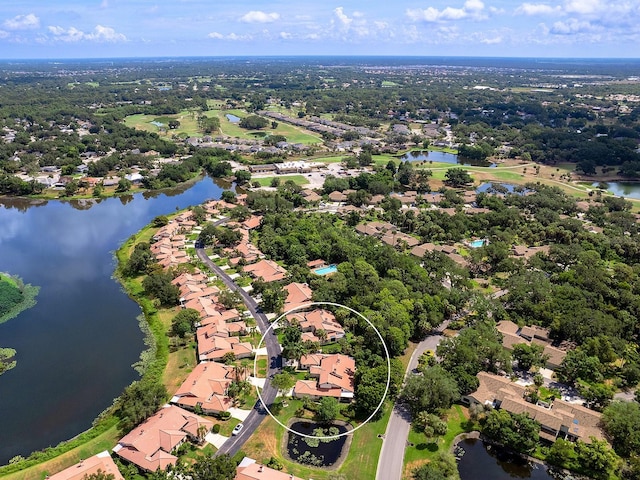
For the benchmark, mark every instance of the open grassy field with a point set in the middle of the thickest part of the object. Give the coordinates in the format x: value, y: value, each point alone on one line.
x: 188, y: 123
x: 266, y: 181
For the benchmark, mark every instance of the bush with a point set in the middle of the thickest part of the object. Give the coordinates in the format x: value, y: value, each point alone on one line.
x: 216, y: 428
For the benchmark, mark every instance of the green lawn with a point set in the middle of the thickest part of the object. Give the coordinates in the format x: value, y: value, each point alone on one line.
x: 297, y: 179
x: 423, y: 449
x: 188, y: 123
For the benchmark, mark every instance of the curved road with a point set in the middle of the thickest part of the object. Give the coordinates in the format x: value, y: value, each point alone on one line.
x: 395, y: 438
x: 233, y: 445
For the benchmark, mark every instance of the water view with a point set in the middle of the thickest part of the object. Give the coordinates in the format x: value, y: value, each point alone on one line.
x: 232, y: 118
x: 622, y: 189
x: 313, y: 451
x: 76, y: 347
x: 441, y: 157
x: 483, y: 462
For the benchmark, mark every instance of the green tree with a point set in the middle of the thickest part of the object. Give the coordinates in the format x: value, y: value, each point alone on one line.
x: 517, y: 431
x: 529, y: 355
x: 242, y: 176
x: 139, y: 401
x: 283, y: 381
x: 457, y: 177
x: 184, y: 322
x: 432, y: 391
x: 622, y: 422
x: 328, y: 409
x: 253, y: 122
x: 124, y: 185
x: 207, y: 467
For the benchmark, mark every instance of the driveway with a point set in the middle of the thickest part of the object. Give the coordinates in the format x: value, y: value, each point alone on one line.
x: 258, y: 413
x: 395, y: 438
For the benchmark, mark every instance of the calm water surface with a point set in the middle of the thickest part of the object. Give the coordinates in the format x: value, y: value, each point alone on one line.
x: 76, y: 347
x: 622, y: 189
x: 482, y: 462
x: 441, y: 157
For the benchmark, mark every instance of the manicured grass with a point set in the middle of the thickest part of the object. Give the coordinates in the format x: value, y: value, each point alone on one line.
x: 297, y: 179
x: 105, y: 441
x: 457, y: 423
x: 188, y: 123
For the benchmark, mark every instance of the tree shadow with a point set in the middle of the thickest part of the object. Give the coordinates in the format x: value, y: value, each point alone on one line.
x: 431, y: 447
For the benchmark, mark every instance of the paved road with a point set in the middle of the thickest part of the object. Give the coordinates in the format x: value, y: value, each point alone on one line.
x: 395, y: 438
x: 233, y: 445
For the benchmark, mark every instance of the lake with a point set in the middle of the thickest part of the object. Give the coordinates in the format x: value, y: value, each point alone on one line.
x: 76, y: 347
x: 622, y: 189
x: 232, y: 118
x: 441, y: 157
x: 484, y: 462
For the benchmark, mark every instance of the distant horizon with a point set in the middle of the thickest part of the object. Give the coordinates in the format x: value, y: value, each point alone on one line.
x: 316, y: 55
x: 73, y: 29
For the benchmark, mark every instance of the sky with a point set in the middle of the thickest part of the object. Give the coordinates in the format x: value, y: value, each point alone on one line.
x: 147, y: 28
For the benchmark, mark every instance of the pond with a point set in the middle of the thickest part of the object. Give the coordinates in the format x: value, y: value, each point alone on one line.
x: 484, y: 462
x: 76, y: 346
x: 441, y: 157
x: 622, y: 189
x: 232, y: 118
x: 320, y: 453
x: 497, y: 187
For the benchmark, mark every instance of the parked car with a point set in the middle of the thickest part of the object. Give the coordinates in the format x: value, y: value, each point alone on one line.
x: 237, y: 429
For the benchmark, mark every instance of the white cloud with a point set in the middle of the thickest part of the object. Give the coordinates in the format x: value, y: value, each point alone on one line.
x: 583, y: 6
x: 491, y: 41
x: 471, y: 9
x: 22, y: 22
x: 256, y: 16
x: 342, y: 17
x: 99, y: 34
x: 536, y: 9
x: 571, y: 27
x: 3, y: 34
x: 285, y: 35
x: 231, y: 36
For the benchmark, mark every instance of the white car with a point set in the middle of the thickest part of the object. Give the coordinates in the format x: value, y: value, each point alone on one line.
x: 237, y: 429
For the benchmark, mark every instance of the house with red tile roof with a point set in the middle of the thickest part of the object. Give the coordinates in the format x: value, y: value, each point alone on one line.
x: 334, y: 374
x: 206, y: 387
x: 318, y: 319
x: 102, y: 462
x: 150, y: 444
x: 252, y: 222
x: 249, y: 469
x: 512, y: 335
x: 268, y: 270
x: 212, y: 346
x: 297, y: 294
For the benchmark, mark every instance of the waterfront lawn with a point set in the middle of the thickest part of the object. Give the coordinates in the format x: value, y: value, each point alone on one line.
x: 105, y: 441
x: 415, y: 455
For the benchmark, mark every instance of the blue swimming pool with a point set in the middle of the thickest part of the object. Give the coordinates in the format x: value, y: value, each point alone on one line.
x: 326, y: 270
x: 477, y: 243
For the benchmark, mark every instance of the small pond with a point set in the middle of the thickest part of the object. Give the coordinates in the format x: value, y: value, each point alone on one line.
x: 441, y: 157
x: 479, y: 461
x: 316, y: 452
x: 622, y: 189
x: 496, y: 187
x: 232, y: 118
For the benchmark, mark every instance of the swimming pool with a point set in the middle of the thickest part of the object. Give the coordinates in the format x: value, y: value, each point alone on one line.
x: 326, y: 270
x: 477, y: 243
